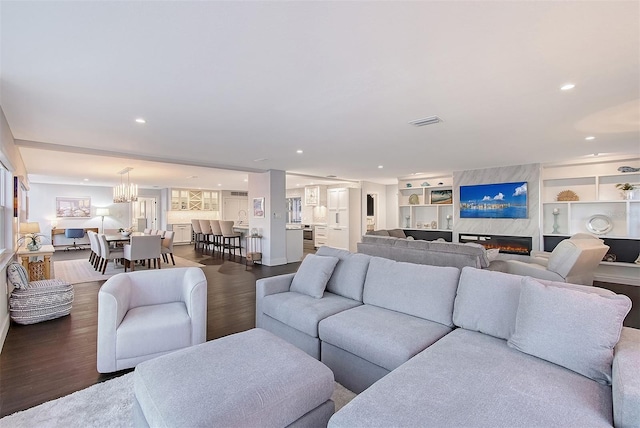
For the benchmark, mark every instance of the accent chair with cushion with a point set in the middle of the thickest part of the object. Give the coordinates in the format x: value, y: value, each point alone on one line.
x: 573, y: 260
x: 142, y: 315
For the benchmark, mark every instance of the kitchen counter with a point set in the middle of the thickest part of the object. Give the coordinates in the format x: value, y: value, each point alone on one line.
x: 294, y: 245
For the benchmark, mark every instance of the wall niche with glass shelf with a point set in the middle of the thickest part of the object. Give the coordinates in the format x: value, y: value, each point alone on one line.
x: 601, y: 208
x: 195, y: 200
x: 426, y: 203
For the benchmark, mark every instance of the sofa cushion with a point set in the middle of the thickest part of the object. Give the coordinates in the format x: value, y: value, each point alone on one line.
x: 420, y: 290
x: 383, y: 337
x: 313, y: 274
x: 469, y: 379
x: 348, y: 276
x: 570, y: 328
x: 152, y: 329
x: 488, y: 301
x: 304, y: 312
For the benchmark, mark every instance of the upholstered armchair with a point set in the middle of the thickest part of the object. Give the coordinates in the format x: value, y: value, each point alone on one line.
x: 142, y: 315
x: 573, y: 260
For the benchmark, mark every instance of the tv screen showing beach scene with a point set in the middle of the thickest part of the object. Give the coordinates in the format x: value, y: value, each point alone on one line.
x: 502, y: 200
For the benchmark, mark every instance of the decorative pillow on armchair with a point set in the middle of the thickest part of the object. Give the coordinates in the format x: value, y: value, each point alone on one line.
x: 313, y: 274
x: 571, y: 328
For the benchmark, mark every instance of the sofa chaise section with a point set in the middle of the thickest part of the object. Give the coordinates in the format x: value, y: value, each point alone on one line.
x: 494, y: 371
x: 407, y: 307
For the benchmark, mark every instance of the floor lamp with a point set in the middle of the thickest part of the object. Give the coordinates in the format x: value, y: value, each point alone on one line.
x: 102, y: 212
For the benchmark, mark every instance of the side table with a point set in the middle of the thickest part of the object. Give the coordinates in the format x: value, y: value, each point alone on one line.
x: 46, y: 251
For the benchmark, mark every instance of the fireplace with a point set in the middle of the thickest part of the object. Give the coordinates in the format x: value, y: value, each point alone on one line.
x: 507, y: 244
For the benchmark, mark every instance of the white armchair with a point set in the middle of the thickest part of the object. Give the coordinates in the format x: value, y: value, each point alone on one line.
x: 573, y: 260
x: 142, y: 315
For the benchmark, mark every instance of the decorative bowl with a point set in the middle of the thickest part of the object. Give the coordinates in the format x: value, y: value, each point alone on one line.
x: 125, y: 233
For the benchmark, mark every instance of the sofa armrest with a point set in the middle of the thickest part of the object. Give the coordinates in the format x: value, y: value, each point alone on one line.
x: 517, y: 267
x: 267, y: 286
x: 626, y: 379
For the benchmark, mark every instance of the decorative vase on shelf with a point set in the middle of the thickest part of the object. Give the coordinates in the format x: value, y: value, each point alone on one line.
x: 556, y: 212
x: 408, y: 224
x: 628, y: 195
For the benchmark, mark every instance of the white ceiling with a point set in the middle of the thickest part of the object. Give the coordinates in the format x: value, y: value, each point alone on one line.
x: 223, y: 84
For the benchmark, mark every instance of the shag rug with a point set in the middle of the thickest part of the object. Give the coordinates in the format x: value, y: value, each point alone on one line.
x: 79, y: 271
x: 107, y: 404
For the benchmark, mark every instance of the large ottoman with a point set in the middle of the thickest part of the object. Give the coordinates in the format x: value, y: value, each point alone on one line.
x: 249, y: 379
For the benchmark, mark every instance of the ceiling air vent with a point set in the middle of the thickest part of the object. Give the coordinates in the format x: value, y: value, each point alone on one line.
x: 239, y: 193
x: 426, y: 121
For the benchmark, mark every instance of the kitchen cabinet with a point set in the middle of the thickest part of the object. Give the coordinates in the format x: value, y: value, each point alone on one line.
x: 320, y: 236
x: 194, y: 200
x: 343, y: 218
x: 182, y: 233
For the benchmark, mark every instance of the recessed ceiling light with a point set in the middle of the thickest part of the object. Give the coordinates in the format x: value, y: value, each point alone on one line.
x: 299, y: 152
x: 567, y: 86
x: 260, y: 160
x: 219, y: 185
x: 192, y: 176
x: 140, y: 120
x: 590, y: 137
x: 380, y: 166
x: 86, y: 179
x: 298, y: 185
x: 245, y: 180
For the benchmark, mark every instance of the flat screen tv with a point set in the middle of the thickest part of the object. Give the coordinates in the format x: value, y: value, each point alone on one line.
x: 502, y: 200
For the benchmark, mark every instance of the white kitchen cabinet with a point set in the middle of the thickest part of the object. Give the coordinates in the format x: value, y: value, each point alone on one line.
x: 182, y: 233
x: 320, y: 236
x: 344, y: 218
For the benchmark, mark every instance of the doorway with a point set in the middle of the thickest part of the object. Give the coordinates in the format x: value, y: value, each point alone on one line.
x: 143, y: 214
x: 372, y: 211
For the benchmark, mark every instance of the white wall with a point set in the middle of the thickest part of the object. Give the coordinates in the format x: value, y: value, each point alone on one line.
x: 391, y: 191
x: 42, y: 205
x: 11, y: 159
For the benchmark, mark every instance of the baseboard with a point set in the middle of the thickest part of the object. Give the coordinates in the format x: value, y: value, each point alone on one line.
x: 5, y: 329
x: 617, y: 279
x: 275, y: 262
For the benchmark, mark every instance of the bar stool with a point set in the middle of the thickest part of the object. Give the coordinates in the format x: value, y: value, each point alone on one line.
x: 205, y: 227
x: 197, y: 232
x: 217, y: 234
x: 229, y: 237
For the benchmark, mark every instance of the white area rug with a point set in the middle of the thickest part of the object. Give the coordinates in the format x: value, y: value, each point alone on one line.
x: 107, y: 404
x: 79, y: 271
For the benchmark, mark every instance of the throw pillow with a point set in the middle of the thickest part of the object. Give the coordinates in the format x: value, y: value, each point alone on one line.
x: 397, y: 233
x: 17, y: 275
x: 492, y: 254
x: 571, y: 328
x: 313, y: 274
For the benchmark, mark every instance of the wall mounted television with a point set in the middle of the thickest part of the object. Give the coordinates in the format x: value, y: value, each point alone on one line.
x: 501, y: 200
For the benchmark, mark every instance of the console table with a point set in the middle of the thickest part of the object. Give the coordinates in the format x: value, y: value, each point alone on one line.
x: 46, y: 251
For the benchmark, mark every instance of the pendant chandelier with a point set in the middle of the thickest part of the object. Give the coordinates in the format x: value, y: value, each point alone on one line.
x: 125, y: 192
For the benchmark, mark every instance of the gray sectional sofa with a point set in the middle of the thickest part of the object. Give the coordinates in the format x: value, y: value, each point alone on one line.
x: 436, y: 253
x: 439, y: 346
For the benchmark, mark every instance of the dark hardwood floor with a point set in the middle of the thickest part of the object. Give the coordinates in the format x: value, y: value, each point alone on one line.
x: 44, y: 361
x: 41, y: 362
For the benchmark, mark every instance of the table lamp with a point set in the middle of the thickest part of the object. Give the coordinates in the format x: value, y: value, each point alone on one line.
x: 102, y: 212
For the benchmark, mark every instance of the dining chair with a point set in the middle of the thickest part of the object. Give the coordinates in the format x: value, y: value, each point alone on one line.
x: 108, y: 253
x: 95, y: 249
x: 197, y: 232
x: 161, y: 232
x: 205, y: 227
x: 167, y: 246
x: 147, y: 231
x: 216, y: 232
x: 229, y: 237
x: 144, y: 247
x: 153, y: 232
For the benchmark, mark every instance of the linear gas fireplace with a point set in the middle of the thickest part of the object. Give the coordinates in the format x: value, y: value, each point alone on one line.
x: 507, y: 244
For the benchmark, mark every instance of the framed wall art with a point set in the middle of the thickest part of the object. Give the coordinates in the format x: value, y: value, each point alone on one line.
x: 73, y: 207
x: 258, y: 207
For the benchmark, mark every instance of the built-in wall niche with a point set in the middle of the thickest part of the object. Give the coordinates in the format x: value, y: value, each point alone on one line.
x: 426, y: 203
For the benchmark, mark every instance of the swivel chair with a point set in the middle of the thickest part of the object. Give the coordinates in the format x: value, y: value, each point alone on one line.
x: 74, y: 234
